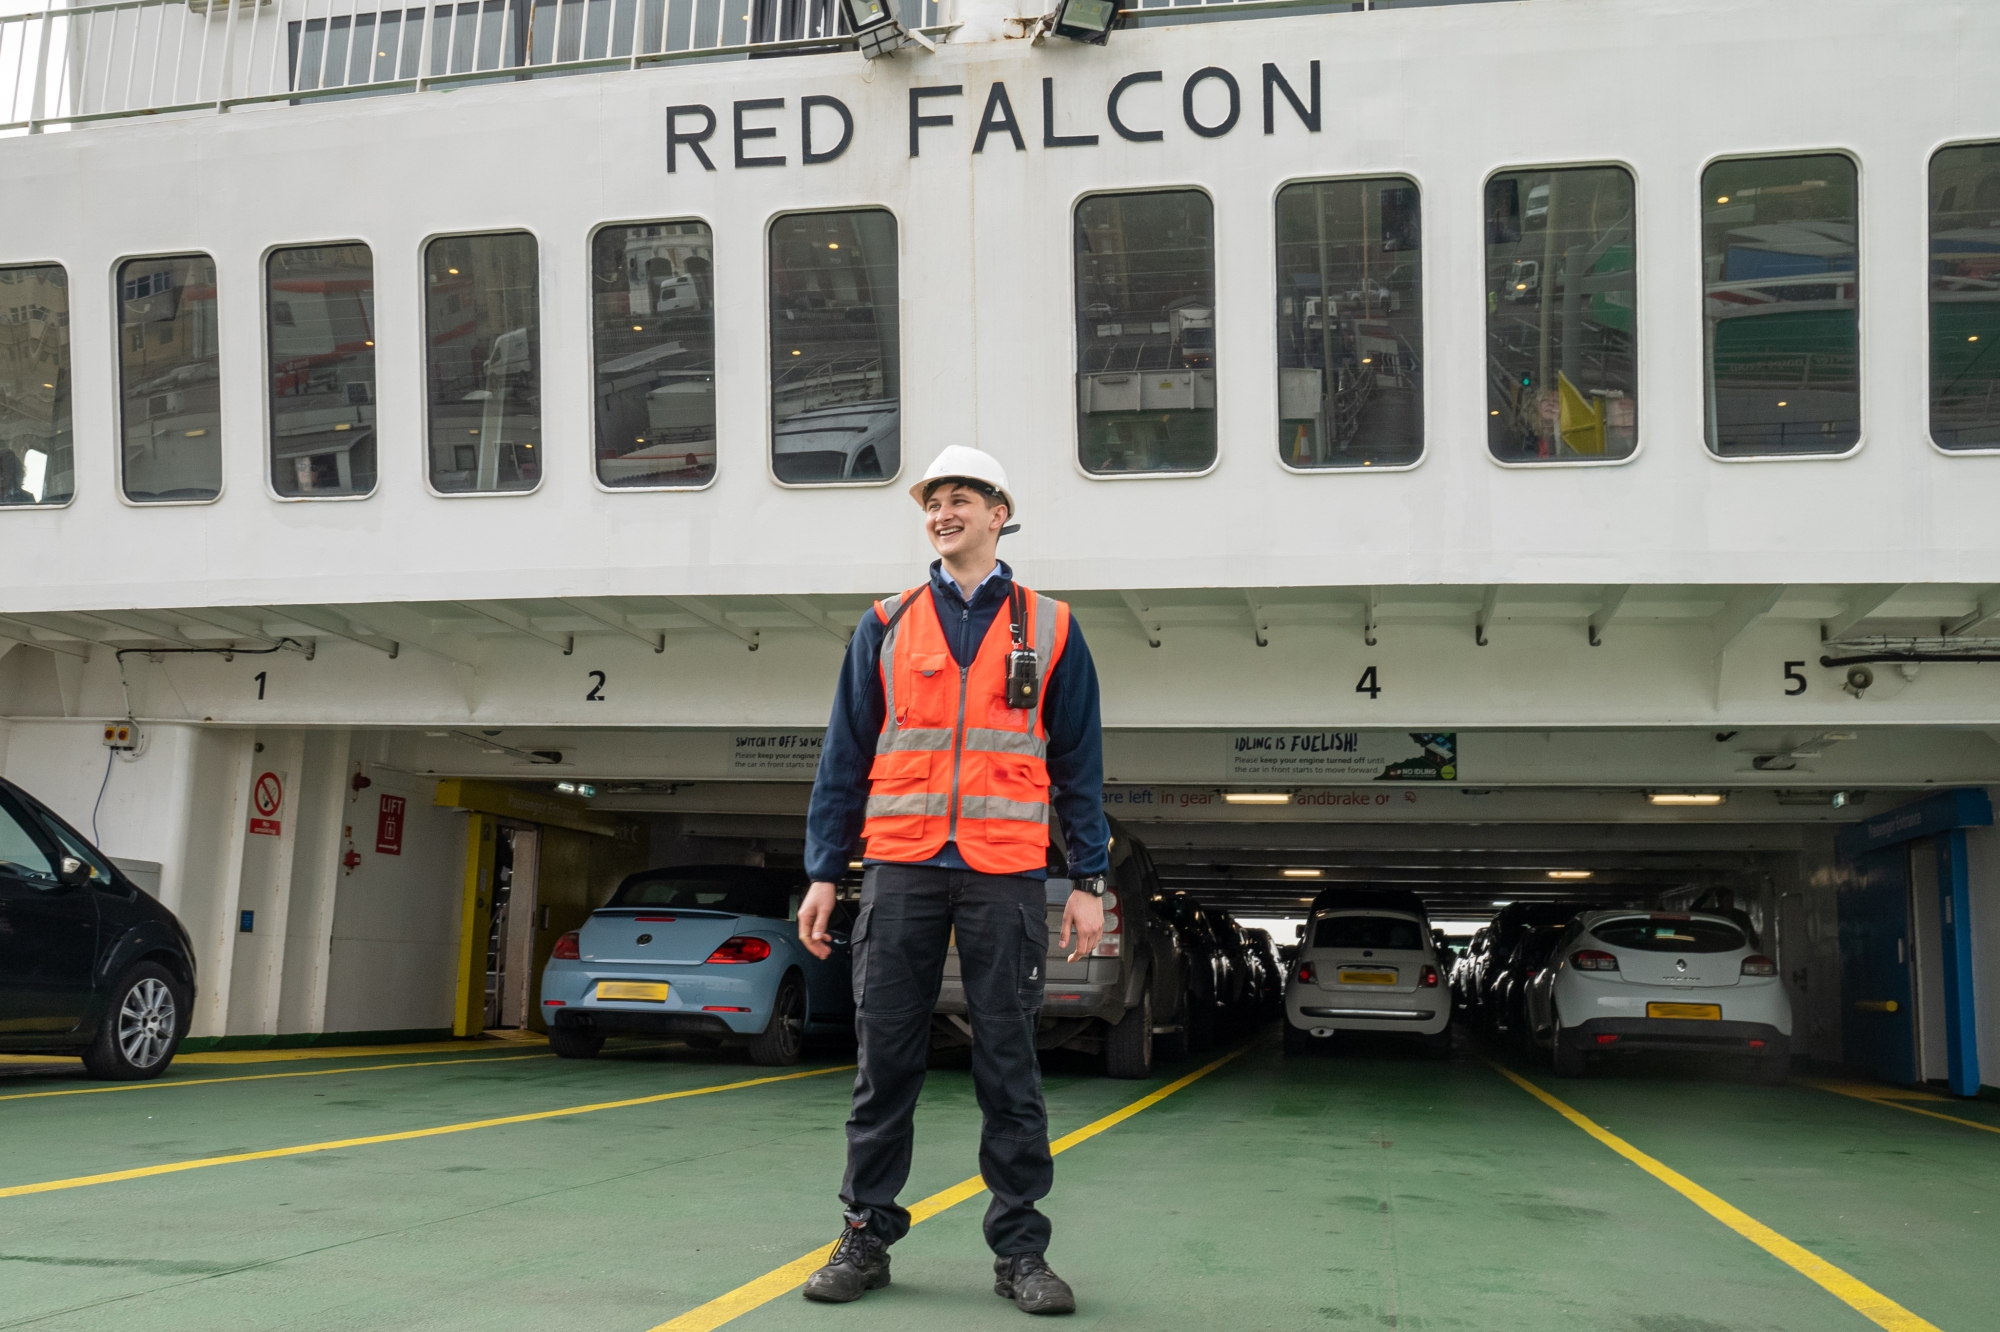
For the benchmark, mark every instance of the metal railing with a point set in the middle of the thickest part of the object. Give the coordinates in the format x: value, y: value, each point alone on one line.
x: 130, y: 58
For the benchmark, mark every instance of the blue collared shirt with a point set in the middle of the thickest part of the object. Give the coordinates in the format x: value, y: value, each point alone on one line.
x: 1069, y: 715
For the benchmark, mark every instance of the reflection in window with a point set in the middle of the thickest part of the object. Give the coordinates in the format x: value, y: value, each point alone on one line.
x: 1779, y: 263
x: 652, y: 292
x: 835, y: 378
x: 1561, y: 371
x: 1965, y: 297
x: 169, y: 378
x: 321, y: 313
x: 1350, y: 324
x: 35, y: 435
x: 482, y: 321
x: 1145, y: 339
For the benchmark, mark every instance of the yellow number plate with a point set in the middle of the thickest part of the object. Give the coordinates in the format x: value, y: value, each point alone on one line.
x: 1367, y: 978
x: 650, y: 990
x: 1704, y: 1012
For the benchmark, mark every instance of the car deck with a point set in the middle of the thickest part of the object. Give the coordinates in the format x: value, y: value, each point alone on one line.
x: 489, y: 1185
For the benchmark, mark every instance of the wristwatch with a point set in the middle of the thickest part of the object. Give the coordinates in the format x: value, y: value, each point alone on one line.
x: 1089, y: 883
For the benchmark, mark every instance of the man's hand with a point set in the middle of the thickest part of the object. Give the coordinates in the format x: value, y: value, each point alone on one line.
x: 813, y: 915
x: 1084, y: 911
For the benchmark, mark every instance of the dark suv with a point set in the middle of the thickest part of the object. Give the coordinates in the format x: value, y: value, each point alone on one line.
x: 89, y: 964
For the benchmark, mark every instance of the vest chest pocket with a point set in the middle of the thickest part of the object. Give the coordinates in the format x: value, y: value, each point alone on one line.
x: 901, y: 772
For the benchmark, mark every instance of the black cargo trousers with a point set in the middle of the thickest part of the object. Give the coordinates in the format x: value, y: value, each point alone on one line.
x: 908, y: 915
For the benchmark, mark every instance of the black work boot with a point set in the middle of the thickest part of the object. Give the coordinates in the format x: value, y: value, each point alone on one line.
x: 860, y: 1263
x: 1025, y: 1278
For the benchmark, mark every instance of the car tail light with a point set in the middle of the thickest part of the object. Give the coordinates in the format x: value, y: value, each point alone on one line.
x: 1756, y: 1045
x: 741, y: 948
x: 668, y: 920
x: 555, y: 1003
x: 1114, y: 926
x: 1428, y: 978
x: 567, y: 949
x: 722, y: 1008
x: 1759, y: 965
x: 1305, y: 973
x: 1607, y: 1039
x: 1591, y: 959
x: 1532, y: 973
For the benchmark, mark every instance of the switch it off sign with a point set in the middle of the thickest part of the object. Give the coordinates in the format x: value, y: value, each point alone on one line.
x: 1345, y: 756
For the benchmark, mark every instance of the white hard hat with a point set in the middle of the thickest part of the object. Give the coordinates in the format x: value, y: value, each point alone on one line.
x: 960, y: 461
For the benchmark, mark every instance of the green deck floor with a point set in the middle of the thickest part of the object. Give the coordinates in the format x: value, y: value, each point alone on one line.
x: 1360, y: 1191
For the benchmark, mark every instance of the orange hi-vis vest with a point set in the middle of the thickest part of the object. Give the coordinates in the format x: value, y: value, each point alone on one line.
x: 954, y: 763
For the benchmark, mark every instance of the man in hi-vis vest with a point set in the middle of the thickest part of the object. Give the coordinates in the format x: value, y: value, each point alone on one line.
x: 966, y: 710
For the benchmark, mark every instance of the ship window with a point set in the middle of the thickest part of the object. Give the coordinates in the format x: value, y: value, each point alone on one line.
x: 482, y: 323
x: 322, y: 331
x: 35, y: 432
x: 652, y: 293
x: 1350, y: 323
x: 1562, y: 372
x: 836, y: 382
x: 1145, y: 332
x: 1965, y: 297
x: 1781, y: 275
x: 169, y: 379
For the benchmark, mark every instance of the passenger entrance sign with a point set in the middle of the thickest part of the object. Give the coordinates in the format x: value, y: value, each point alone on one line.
x: 1346, y: 756
x: 267, y: 798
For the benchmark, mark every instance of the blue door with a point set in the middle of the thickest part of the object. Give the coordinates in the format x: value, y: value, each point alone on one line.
x: 1878, y: 1026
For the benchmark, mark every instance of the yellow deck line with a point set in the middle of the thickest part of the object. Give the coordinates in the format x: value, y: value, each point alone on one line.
x: 409, y: 1135
x: 792, y: 1275
x: 269, y: 1056
x: 1870, y: 1303
x: 162, y: 1084
x: 1863, y: 1092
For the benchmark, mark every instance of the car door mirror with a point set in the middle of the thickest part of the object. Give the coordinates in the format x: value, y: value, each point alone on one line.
x: 72, y: 873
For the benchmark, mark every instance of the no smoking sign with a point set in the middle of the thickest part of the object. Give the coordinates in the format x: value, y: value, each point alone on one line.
x: 267, y: 799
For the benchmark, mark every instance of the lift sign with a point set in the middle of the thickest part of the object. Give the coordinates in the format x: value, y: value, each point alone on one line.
x: 389, y: 826
x: 268, y: 796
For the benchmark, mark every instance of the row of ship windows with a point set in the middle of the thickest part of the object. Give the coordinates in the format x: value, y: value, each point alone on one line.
x: 1781, y: 355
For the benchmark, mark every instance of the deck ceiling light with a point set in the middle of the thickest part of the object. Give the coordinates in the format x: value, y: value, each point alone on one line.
x: 1570, y: 874
x: 1086, y: 20
x: 1685, y: 797
x: 1257, y: 798
x: 584, y: 789
x: 1302, y: 873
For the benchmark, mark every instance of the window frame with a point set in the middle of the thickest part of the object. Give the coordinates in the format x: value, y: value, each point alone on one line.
x: 1425, y: 272
x: 1863, y: 357
x: 766, y: 379
x: 590, y: 354
x: 1930, y: 165
x: 74, y: 487
x: 1641, y: 371
x: 222, y: 381
x: 424, y: 365
x: 1070, y: 371
x: 264, y: 351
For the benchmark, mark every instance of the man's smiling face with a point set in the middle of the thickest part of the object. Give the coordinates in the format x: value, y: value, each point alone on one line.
x: 960, y: 520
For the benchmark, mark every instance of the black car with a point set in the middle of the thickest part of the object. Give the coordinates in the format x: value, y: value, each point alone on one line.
x: 1501, y: 936
x: 1274, y: 971
x: 1508, y: 997
x: 1211, y: 977
x: 89, y: 964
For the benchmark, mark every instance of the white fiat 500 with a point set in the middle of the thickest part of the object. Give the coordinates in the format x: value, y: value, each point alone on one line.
x: 1633, y: 980
x: 1367, y: 962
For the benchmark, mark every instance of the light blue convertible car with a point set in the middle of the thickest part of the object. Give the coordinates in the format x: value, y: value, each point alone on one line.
x: 710, y: 953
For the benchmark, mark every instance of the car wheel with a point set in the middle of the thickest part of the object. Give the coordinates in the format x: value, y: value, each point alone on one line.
x: 144, y: 1020
x: 1567, y: 1060
x: 1128, y: 1052
x: 783, y: 1040
x: 1200, y: 1022
x: 575, y: 1042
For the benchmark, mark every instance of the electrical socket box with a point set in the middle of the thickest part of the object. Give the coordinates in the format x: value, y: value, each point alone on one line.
x: 121, y: 735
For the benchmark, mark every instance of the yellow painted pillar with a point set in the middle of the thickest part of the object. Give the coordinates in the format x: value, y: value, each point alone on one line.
x: 475, y: 923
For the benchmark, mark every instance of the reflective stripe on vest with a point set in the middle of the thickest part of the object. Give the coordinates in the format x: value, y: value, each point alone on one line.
x: 947, y: 732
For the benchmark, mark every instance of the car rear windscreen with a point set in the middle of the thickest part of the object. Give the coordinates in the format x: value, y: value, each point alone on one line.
x: 776, y: 894
x: 1369, y: 932
x: 1653, y: 934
